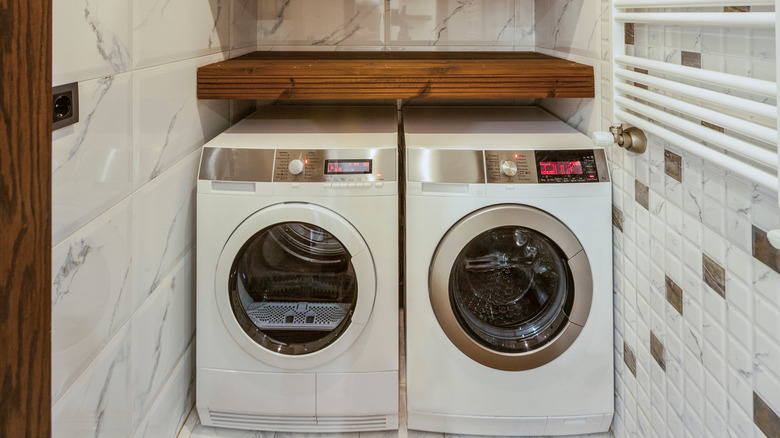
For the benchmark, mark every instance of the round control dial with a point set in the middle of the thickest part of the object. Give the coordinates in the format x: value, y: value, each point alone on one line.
x: 295, y: 167
x: 508, y: 168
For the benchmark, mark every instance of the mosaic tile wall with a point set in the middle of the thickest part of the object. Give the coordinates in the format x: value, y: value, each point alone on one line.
x: 697, y: 286
x: 123, y: 290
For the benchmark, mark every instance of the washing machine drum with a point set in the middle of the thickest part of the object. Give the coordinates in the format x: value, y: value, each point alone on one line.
x: 511, y: 287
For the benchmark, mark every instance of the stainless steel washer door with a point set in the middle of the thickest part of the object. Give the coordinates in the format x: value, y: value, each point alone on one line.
x: 511, y: 287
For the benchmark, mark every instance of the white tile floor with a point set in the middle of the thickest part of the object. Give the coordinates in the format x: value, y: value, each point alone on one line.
x: 193, y: 429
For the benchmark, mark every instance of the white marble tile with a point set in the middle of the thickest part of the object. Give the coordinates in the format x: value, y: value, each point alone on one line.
x: 98, y: 402
x: 172, y: 30
x: 170, y: 120
x: 163, y: 328
x: 525, y: 37
x: 456, y: 23
x: 578, y: 113
x: 341, y: 23
x: 92, y: 159
x: 569, y: 26
x: 243, y: 24
x: 163, y: 225
x: 94, y: 38
x: 173, y: 405
x: 91, y: 293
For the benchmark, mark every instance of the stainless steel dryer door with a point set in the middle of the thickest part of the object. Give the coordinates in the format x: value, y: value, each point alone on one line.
x: 511, y: 287
x: 295, y: 285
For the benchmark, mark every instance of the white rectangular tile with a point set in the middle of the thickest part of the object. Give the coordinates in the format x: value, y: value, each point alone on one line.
x: 570, y: 26
x: 243, y: 24
x: 170, y: 121
x: 92, y: 159
x: 343, y: 23
x: 91, y: 293
x: 163, y: 328
x: 98, y: 402
x: 161, y: 34
x: 174, y: 403
x: 93, y: 39
x: 454, y: 23
x: 163, y: 225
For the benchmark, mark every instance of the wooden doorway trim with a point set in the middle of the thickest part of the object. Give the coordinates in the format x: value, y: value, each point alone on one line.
x: 25, y: 218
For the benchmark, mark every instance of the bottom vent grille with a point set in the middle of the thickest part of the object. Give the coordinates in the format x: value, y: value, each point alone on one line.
x: 297, y: 424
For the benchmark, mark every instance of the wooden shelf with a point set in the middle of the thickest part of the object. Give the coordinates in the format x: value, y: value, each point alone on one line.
x: 394, y: 75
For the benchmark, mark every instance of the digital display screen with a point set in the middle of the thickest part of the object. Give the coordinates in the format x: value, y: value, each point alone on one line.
x: 343, y: 167
x: 560, y: 168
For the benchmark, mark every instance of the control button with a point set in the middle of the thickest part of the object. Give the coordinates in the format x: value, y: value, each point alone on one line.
x: 295, y: 167
x: 508, y: 168
x: 366, y: 184
x: 379, y: 184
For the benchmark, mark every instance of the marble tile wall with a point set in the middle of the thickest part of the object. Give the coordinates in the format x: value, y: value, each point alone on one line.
x: 697, y: 287
x: 123, y: 206
x: 396, y: 25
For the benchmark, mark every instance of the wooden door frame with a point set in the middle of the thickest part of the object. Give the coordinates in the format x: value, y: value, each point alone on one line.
x: 25, y: 218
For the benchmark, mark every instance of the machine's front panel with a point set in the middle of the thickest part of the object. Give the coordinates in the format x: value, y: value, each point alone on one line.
x: 334, y: 165
x: 507, y: 166
x: 546, y: 166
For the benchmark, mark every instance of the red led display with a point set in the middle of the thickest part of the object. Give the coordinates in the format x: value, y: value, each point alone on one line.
x: 560, y: 168
x: 337, y: 167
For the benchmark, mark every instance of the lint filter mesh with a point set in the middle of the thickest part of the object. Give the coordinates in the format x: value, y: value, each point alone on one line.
x: 297, y: 316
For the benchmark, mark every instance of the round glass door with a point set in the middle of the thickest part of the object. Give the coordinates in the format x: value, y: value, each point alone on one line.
x: 295, y: 285
x: 511, y: 287
x: 293, y: 288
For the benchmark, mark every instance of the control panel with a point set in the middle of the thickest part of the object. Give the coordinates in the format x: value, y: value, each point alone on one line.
x: 546, y: 166
x: 335, y: 166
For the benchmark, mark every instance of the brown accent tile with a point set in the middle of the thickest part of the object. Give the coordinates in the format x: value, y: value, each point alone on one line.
x: 642, y: 194
x: 736, y: 9
x: 674, y: 295
x: 764, y: 251
x: 765, y: 418
x: 712, y: 126
x: 617, y: 218
x: 673, y: 165
x: 691, y: 59
x: 629, y: 358
x: 657, y: 351
x: 714, y: 275
x: 637, y: 84
x: 629, y: 33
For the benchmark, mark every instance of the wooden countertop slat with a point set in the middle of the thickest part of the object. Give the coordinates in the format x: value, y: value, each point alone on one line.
x: 394, y: 75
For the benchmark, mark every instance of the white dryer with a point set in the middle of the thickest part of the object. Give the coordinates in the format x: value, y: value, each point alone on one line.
x: 297, y: 271
x: 508, y: 274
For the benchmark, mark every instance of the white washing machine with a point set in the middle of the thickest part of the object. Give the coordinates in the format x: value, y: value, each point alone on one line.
x: 508, y: 274
x: 297, y: 272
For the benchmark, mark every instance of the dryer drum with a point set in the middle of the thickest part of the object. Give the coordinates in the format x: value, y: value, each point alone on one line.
x: 308, y: 242
x: 510, y: 288
x: 293, y: 288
